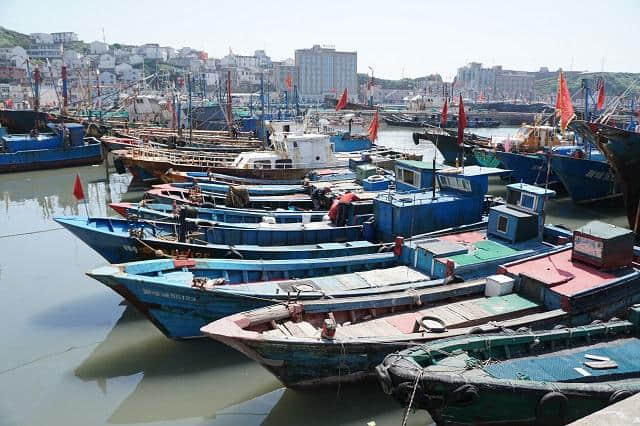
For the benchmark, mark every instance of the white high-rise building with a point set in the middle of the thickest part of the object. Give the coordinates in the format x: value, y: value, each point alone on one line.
x: 323, y: 71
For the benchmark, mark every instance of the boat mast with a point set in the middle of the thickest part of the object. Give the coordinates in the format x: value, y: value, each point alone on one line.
x: 190, y: 118
x: 229, y: 106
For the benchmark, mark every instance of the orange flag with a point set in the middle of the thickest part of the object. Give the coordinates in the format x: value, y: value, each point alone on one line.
x: 78, y: 192
x: 445, y: 111
x: 289, y: 81
x: 601, y: 94
x: 343, y: 100
x: 373, y: 128
x: 462, y: 121
x: 564, y: 108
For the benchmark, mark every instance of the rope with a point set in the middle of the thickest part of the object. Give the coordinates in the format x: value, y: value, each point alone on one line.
x: 413, y: 394
x: 32, y: 232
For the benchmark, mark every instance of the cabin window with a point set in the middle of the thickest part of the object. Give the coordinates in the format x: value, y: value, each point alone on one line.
x: 295, y: 144
x: 527, y: 201
x: 286, y: 128
x: 262, y: 164
x: 503, y: 224
x: 139, y: 101
x: 409, y: 177
x: 284, y: 164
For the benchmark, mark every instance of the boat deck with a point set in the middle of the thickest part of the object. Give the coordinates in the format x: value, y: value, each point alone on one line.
x: 569, y: 365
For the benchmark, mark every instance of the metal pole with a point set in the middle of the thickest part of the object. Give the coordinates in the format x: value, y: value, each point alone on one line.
x: 264, y: 130
x: 190, y: 117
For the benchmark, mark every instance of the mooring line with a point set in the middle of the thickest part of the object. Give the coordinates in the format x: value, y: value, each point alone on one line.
x: 32, y: 232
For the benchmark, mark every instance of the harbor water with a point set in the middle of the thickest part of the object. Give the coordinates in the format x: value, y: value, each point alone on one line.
x: 73, y: 353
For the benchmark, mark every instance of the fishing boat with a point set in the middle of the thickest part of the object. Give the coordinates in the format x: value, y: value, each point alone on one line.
x: 293, y: 157
x: 446, y: 141
x: 181, y: 296
x: 172, y: 176
x: 524, y: 153
x: 115, y: 143
x: 223, y: 187
x: 121, y: 240
x: 622, y: 148
x: 148, y: 210
x: 232, y: 197
x: 550, y: 377
x: 64, y: 146
x: 343, y: 340
x: 587, y: 177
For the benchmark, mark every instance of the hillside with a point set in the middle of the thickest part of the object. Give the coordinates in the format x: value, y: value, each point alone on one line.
x: 615, y: 82
x: 9, y: 38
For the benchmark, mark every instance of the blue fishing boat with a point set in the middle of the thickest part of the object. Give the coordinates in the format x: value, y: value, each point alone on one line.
x: 146, y: 210
x: 223, y: 188
x: 524, y: 377
x: 181, y: 296
x: 167, y: 193
x: 530, y: 168
x: 460, y: 199
x: 121, y: 240
x: 64, y: 146
x: 586, y: 177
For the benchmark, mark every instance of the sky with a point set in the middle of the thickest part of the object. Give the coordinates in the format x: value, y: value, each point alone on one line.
x: 401, y: 38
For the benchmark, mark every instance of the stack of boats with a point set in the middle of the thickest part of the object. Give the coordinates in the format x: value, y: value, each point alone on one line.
x: 320, y: 279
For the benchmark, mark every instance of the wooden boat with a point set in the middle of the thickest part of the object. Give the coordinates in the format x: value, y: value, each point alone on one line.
x: 622, y: 148
x: 173, y: 176
x: 334, y: 341
x: 64, y: 146
x: 292, y: 158
x: 114, y: 143
x: 550, y: 377
x: 120, y: 240
x: 167, y: 193
x: 223, y: 188
x: 155, y: 211
x: 181, y: 296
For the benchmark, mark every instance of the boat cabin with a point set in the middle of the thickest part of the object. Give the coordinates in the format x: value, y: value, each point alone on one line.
x: 290, y: 151
x: 521, y: 218
x: 590, y: 274
x: 459, y: 201
x: 513, y: 231
x: 414, y: 175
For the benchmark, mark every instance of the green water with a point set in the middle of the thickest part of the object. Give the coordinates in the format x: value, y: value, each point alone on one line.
x: 73, y: 354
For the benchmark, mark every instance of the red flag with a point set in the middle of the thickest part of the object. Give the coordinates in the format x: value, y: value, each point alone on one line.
x: 601, y: 94
x: 78, y: 192
x: 462, y: 121
x: 564, y: 108
x: 289, y: 81
x: 343, y: 100
x: 445, y: 112
x: 373, y: 128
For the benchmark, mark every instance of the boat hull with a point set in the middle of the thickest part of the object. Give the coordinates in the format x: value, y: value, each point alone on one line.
x: 585, y: 180
x: 527, y: 168
x: 51, y: 158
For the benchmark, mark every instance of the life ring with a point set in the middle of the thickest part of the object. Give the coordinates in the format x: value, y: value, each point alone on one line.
x: 552, y: 408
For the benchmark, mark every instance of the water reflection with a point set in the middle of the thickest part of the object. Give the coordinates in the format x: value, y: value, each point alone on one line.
x: 180, y: 380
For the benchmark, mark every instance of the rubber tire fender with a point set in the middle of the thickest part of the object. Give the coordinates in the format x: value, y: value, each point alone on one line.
x: 619, y: 395
x: 548, y: 399
x: 464, y: 395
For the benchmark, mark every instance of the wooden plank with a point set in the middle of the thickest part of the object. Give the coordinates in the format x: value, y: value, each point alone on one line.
x: 308, y: 329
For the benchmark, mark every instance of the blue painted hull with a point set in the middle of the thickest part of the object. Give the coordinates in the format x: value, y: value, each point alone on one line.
x: 344, y: 143
x: 217, y: 214
x: 112, y: 240
x: 50, y: 158
x: 585, y: 180
x: 180, y: 311
x: 527, y: 168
